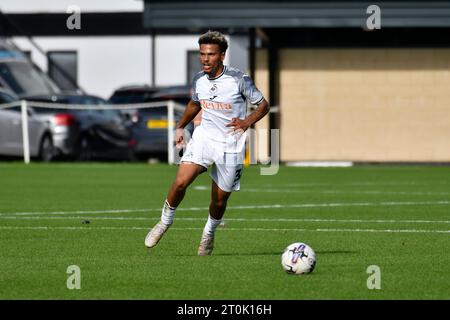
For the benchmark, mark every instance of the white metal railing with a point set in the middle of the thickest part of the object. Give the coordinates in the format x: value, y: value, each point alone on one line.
x: 171, y: 105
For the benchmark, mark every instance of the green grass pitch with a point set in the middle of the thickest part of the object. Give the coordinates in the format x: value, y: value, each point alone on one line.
x: 397, y: 218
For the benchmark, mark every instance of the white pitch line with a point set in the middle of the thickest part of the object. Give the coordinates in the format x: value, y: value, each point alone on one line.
x: 71, y: 228
x: 362, y: 184
x: 268, y: 206
x: 352, y: 184
x: 384, y: 231
x: 414, y: 193
x: 286, y: 190
x: 80, y: 212
x: 229, y: 219
x: 232, y: 229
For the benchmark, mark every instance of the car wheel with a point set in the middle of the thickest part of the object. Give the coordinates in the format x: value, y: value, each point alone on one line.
x: 46, y: 149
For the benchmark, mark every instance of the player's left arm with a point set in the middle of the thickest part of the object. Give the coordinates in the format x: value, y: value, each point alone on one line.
x: 237, y: 124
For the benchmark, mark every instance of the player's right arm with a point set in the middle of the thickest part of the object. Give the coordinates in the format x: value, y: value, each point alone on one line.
x: 198, y: 119
x: 192, y: 109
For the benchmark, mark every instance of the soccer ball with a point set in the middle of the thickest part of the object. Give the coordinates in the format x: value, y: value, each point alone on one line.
x: 298, y: 258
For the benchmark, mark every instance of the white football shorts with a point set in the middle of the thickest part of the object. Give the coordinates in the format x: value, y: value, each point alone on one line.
x: 227, y: 159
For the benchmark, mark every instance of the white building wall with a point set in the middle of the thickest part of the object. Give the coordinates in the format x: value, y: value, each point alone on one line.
x: 46, y: 6
x: 171, y: 58
x: 238, y: 52
x: 104, y: 63
x: 108, y: 62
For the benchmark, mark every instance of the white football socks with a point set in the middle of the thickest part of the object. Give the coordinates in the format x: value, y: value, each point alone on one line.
x: 211, y: 225
x: 168, y: 213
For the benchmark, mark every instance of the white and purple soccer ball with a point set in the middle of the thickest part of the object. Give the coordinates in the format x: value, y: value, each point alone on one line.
x: 298, y: 258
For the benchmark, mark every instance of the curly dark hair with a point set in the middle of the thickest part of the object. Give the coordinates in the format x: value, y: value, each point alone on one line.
x: 214, y: 37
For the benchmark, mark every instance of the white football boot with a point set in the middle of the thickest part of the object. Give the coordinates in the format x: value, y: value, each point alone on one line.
x: 155, y: 234
x: 206, y: 245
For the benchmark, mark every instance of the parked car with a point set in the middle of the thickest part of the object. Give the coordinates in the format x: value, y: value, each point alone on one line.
x: 132, y: 94
x: 19, y: 75
x: 85, y: 134
x: 11, y: 141
x: 7, y: 96
x: 149, y: 125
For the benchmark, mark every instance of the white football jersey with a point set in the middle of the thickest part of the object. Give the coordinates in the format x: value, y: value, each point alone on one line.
x: 223, y: 98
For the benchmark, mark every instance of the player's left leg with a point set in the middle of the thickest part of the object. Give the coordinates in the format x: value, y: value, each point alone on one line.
x: 217, y: 208
x: 187, y: 173
x: 226, y: 175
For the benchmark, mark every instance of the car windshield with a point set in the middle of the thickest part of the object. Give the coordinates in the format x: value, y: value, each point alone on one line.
x: 54, y: 110
x: 181, y: 100
x: 23, y: 79
x: 123, y: 97
x: 5, y: 98
x: 83, y: 100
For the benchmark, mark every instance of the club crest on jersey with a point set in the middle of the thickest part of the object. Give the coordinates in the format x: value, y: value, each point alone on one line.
x: 213, y: 89
x: 213, y: 92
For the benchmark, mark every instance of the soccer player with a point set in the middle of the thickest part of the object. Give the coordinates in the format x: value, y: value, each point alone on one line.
x: 221, y: 93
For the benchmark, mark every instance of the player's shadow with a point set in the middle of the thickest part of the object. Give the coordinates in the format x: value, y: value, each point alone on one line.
x: 224, y: 254
x: 337, y: 252
x: 266, y: 253
x: 278, y: 253
x: 247, y: 254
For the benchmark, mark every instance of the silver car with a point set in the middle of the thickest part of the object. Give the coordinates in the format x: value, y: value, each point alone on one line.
x: 11, y: 141
x: 91, y: 133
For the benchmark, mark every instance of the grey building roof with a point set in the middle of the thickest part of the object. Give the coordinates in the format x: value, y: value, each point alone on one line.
x: 291, y: 13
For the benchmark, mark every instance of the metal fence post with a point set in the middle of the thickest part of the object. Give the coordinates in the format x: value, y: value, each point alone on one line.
x: 25, y: 136
x: 170, y: 128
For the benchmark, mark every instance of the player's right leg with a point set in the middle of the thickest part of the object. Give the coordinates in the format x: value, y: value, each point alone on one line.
x: 187, y: 173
